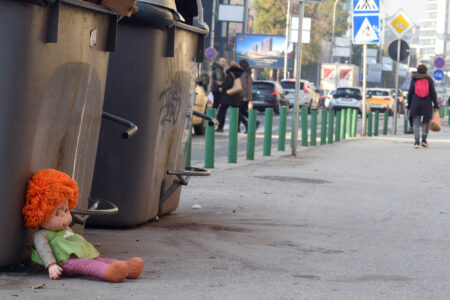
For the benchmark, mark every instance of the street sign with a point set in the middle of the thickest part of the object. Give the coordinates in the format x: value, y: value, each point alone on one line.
x: 439, y: 62
x: 438, y: 75
x: 400, y: 23
x: 366, y: 29
x: 210, y: 53
x: 366, y: 7
x: 404, y: 50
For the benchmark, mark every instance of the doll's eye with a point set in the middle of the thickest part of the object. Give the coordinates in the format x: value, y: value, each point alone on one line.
x: 66, y: 210
x: 57, y: 214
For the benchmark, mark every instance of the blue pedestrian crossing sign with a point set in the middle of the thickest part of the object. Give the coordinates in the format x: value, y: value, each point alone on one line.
x: 366, y: 29
x: 366, y: 7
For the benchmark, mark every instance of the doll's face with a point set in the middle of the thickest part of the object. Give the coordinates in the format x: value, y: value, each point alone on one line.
x: 60, y: 219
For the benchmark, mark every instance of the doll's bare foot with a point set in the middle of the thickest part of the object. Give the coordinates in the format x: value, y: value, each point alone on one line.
x: 135, y: 267
x: 116, y: 272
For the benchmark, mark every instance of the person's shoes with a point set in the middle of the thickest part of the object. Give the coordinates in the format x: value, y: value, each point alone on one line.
x: 219, y: 130
x: 424, y: 144
x: 416, y: 145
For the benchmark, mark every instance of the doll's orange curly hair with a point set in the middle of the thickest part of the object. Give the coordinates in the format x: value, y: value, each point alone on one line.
x: 46, y: 190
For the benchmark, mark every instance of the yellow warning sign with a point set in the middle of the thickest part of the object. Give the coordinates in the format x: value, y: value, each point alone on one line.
x: 400, y: 23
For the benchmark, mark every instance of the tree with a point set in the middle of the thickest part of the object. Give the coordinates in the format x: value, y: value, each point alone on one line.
x: 270, y: 18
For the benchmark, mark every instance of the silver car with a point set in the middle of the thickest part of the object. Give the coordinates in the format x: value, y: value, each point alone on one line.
x: 348, y: 97
x: 307, y: 97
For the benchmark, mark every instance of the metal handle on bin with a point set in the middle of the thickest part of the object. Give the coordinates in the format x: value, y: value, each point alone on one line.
x: 211, y: 121
x: 188, y: 172
x: 80, y: 215
x: 132, y: 127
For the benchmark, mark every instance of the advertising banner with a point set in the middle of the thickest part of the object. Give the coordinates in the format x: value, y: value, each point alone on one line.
x: 263, y: 51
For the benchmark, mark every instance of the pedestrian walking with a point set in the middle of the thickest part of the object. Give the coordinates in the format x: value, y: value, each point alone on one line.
x: 246, y: 93
x: 234, y: 71
x: 218, y: 76
x: 421, y: 100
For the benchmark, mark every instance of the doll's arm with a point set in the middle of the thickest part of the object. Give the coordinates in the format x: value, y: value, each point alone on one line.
x: 40, y: 239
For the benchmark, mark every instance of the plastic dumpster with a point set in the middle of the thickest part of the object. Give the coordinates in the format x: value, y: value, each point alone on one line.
x: 151, y: 80
x: 53, y: 65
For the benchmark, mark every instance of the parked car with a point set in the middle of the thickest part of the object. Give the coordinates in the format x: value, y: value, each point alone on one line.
x: 381, y: 99
x: 268, y: 93
x: 328, y: 97
x: 348, y: 97
x: 307, y: 97
x: 201, y: 103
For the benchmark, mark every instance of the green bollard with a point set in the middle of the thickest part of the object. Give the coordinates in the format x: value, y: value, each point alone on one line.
x: 282, y: 129
x: 313, y: 127
x: 354, y: 122
x: 251, y: 135
x: 323, y: 129
x: 268, y: 132
x: 189, y: 152
x: 342, y: 124
x: 233, y: 135
x: 370, y: 121
x: 338, y: 126
x: 441, y: 112
x: 304, y: 126
x: 377, y: 123
x: 210, y: 138
x: 348, y: 125
x: 386, y: 119
x: 330, y: 127
x: 405, y: 125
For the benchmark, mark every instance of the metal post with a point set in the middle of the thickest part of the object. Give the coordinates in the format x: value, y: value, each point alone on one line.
x: 282, y: 129
x: 370, y: 123
x: 394, y: 125
x: 313, y: 128
x: 354, y: 122
x: 245, y: 16
x: 288, y: 32
x: 304, y: 126
x: 233, y: 135
x: 213, y: 24
x: 251, y: 134
x: 342, y: 134
x: 268, y: 132
x: 330, y: 127
x: 323, y: 129
x: 210, y: 140
x: 348, y: 126
x: 188, y: 156
x: 338, y: 126
x: 297, y: 79
x: 364, y: 95
x: 332, y: 32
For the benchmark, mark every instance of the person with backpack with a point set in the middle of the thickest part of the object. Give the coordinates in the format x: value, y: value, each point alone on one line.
x: 421, y: 100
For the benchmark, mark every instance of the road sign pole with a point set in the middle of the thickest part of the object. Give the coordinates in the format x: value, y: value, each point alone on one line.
x: 364, y: 92
x: 394, y: 124
x: 297, y: 80
x: 286, y: 44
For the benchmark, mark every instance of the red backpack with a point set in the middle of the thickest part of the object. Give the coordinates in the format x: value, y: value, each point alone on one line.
x: 421, y: 88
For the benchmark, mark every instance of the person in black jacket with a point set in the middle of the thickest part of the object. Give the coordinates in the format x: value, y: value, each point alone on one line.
x: 218, y: 76
x: 421, y: 108
x: 234, y: 71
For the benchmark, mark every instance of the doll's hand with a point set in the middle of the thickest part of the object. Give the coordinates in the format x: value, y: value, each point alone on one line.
x: 54, y: 271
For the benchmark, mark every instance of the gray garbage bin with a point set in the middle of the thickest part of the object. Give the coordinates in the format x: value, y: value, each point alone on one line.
x: 53, y: 64
x: 151, y: 80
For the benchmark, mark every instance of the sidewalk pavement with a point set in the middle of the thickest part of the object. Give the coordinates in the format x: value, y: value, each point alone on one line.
x: 365, y: 218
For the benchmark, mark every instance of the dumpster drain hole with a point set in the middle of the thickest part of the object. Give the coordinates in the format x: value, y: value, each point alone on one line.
x: 294, y: 179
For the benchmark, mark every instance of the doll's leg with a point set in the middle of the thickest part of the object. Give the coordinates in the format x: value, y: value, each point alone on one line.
x: 135, y: 265
x: 114, y: 272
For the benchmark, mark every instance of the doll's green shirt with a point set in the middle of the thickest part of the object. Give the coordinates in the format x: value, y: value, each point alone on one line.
x: 65, y: 244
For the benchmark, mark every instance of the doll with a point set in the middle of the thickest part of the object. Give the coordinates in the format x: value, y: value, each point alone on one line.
x: 51, y: 195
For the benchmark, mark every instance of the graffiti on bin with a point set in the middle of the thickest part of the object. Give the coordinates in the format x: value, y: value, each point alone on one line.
x: 171, y: 100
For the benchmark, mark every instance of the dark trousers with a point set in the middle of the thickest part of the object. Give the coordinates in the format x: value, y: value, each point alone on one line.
x: 217, y: 99
x: 243, y: 115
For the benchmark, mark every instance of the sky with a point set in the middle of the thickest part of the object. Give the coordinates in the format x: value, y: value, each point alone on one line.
x: 415, y: 9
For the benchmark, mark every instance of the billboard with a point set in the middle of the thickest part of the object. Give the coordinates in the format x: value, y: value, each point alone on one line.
x: 263, y: 51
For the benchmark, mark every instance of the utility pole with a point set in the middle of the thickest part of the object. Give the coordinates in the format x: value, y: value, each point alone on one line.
x: 286, y: 44
x: 297, y: 80
x: 244, y: 30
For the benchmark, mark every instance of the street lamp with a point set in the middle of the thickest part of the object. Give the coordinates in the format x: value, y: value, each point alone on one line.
x: 332, y: 31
